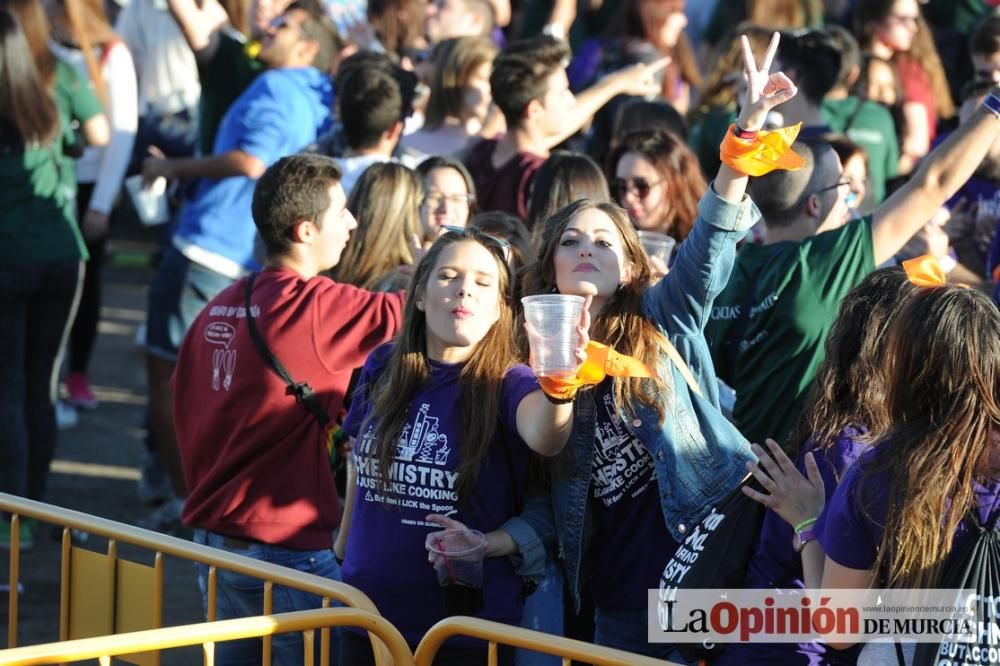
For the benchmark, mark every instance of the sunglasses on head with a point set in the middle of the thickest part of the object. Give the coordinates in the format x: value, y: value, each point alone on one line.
x: 622, y: 186
x: 463, y: 231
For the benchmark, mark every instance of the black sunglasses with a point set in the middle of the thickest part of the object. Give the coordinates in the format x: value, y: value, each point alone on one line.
x: 622, y: 186
x: 502, y: 244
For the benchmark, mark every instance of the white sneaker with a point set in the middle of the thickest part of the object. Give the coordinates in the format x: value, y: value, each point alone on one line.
x: 66, y: 416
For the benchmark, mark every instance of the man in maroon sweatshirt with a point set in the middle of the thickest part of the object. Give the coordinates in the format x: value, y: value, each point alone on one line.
x: 254, y: 458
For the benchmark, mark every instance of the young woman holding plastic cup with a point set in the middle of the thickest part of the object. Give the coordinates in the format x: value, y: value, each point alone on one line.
x: 444, y: 421
x: 647, y: 456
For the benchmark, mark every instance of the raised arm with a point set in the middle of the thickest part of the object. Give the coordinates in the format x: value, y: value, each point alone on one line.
x: 940, y: 175
x: 198, y: 22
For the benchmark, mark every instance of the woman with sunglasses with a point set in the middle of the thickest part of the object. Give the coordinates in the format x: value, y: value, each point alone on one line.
x: 656, y: 178
x: 443, y: 422
x: 647, y: 456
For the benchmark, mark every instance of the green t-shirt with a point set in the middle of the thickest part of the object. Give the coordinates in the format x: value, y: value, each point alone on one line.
x: 37, y: 217
x: 869, y: 125
x: 77, y: 103
x: 794, y: 291
x: 224, y: 76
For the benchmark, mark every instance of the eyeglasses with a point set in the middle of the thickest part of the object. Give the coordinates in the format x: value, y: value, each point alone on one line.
x: 502, y: 244
x: 904, y: 18
x: 850, y: 198
x: 622, y: 186
x: 434, y: 199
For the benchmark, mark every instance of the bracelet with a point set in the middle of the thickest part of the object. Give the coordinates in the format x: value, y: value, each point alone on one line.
x: 804, y: 524
x: 559, y: 401
x: 742, y: 134
x: 992, y: 102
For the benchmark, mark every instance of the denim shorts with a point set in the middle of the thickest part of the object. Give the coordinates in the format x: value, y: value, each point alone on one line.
x: 243, y: 596
x: 177, y: 294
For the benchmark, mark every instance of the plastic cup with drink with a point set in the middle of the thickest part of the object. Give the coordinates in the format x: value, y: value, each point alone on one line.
x: 458, y: 561
x: 555, y: 318
x: 658, y: 245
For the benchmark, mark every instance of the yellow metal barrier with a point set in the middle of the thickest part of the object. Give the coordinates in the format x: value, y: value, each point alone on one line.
x: 101, y: 595
x: 503, y: 634
x: 105, y: 647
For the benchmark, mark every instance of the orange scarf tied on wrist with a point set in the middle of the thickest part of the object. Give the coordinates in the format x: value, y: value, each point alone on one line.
x: 768, y: 151
x: 925, y: 271
x: 602, y: 361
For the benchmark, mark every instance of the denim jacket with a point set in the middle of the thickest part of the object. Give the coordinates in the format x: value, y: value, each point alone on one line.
x: 699, y: 455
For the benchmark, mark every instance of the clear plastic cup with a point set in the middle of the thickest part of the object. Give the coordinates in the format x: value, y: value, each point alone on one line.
x: 658, y: 245
x: 459, y: 567
x: 150, y: 203
x: 555, y: 317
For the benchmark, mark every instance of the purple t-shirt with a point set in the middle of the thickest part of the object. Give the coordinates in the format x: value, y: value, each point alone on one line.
x: 851, y: 539
x: 631, y: 544
x: 776, y: 565
x: 386, y: 558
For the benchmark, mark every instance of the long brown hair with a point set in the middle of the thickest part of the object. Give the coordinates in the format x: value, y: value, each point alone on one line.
x: 456, y: 60
x: 620, y: 323
x: 36, y: 29
x: 679, y: 171
x: 408, y: 368
x: 25, y: 104
x: 851, y: 385
x: 684, y: 63
x: 943, y: 390
x: 386, y: 203
x: 86, y: 25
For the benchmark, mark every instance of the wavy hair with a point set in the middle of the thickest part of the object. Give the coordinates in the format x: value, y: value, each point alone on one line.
x: 386, y: 203
x: 620, y: 322
x: 408, y: 368
x: 456, y: 60
x: 851, y: 384
x: 679, y: 171
x: 943, y: 403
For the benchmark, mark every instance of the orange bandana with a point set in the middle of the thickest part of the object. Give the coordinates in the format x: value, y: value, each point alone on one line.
x: 770, y: 150
x: 601, y: 362
x: 925, y: 271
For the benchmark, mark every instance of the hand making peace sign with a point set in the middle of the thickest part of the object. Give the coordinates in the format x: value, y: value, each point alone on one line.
x: 764, y: 90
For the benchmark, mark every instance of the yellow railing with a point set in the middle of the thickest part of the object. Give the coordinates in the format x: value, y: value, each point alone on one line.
x: 503, y: 634
x: 100, y: 595
x: 208, y: 633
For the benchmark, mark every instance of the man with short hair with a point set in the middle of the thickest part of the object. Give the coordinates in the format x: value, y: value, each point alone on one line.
x: 255, y: 459
x: 281, y: 112
x: 530, y: 87
x: 768, y: 327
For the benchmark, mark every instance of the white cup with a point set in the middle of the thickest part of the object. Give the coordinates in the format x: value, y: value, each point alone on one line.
x: 658, y: 245
x: 150, y: 203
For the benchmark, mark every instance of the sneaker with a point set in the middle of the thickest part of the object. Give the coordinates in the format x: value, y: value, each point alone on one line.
x: 26, y: 531
x: 66, y: 416
x: 166, y: 518
x: 78, y: 388
x: 153, y: 486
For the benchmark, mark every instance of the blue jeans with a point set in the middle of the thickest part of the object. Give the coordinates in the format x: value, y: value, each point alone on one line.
x: 626, y: 630
x: 543, y: 611
x: 243, y: 596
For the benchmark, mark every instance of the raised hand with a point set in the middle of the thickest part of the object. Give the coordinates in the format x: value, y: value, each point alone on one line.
x: 764, y: 89
x: 792, y: 496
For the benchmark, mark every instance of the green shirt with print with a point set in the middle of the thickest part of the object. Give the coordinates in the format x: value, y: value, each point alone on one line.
x: 869, y: 125
x: 77, y: 103
x: 793, y: 291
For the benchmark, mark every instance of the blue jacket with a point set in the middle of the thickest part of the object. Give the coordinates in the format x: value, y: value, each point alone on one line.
x: 699, y: 455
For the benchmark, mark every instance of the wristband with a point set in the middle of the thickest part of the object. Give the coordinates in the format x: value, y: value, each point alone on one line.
x: 559, y: 401
x: 805, y: 523
x: 742, y: 134
x: 992, y: 102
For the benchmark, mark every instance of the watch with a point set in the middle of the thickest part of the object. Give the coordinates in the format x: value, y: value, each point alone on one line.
x: 802, y: 537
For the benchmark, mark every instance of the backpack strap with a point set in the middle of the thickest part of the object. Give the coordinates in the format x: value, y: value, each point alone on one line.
x: 682, y: 367
x: 303, y: 393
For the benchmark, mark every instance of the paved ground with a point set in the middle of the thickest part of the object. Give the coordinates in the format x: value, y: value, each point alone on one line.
x: 97, y: 463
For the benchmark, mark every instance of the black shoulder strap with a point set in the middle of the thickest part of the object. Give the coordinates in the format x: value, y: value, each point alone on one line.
x: 303, y: 393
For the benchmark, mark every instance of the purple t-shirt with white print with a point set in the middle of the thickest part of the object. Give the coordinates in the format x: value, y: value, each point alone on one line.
x: 630, y: 544
x: 775, y: 564
x: 851, y: 538
x: 386, y: 558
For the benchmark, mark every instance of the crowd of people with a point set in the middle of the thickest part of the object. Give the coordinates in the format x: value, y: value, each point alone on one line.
x: 361, y: 194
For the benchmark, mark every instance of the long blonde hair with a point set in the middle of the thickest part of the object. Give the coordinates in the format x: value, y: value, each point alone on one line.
x: 621, y: 322
x: 409, y: 368
x: 386, y: 203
